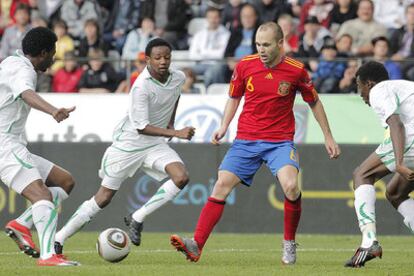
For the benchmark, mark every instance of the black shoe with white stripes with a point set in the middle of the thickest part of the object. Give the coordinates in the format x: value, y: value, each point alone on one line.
x: 363, y: 255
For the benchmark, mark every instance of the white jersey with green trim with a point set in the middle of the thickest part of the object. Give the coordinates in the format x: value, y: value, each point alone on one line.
x: 150, y: 103
x: 17, y: 75
x: 394, y: 97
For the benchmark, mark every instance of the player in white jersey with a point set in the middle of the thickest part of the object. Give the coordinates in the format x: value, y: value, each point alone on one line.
x: 139, y: 142
x: 40, y: 181
x: 392, y: 101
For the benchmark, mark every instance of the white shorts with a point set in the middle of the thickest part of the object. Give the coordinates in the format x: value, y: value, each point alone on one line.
x: 117, y: 164
x: 19, y: 167
x: 385, y: 152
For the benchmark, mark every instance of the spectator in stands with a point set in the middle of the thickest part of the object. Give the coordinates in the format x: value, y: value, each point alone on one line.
x: 342, y: 11
x: 171, y: 18
x: 123, y: 18
x: 38, y: 22
x: 270, y: 10
x: 92, y: 39
x: 66, y: 79
x: 402, y: 46
x: 64, y: 44
x: 391, y: 13
x: 329, y: 71
x: 241, y: 43
x: 313, y: 38
x: 231, y: 14
x: 139, y: 66
x: 208, y: 46
x: 76, y: 12
x: 381, y: 48
x: 13, y: 35
x: 291, y: 39
x: 48, y: 9
x: 138, y: 38
x: 344, y: 46
x: 100, y: 77
x: 190, y: 78
x: 363, y: 29
x: 348, y: 83
x: 318, y: 8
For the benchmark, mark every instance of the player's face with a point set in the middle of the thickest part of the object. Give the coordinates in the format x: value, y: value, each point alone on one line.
x: 160, y: 60
x: 364, y: 88
x: 46, y: 60
x: 267, y: 47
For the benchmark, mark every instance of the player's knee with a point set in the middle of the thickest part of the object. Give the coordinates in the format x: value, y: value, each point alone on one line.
x: 181, y: 179
x: 68, y: 183
x: 291, y: 188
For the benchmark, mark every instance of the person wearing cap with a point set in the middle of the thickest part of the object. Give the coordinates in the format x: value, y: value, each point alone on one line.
x: 329, y: 72
x: 313, y: 38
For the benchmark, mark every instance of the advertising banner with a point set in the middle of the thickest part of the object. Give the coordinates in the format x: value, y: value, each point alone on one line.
x: 96, y: 115
x: 327, y: 192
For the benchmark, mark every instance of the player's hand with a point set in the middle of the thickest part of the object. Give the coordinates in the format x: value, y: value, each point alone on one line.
x: 332, y: 148
x: 405, y: 172
x: 218, y: 135
x: 61, y: 114
x: 185, y: 133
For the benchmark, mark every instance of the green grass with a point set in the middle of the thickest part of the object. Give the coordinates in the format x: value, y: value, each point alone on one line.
x: 224, y: 254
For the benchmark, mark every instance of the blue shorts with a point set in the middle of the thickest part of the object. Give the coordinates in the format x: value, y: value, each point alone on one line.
x: 244, y: 158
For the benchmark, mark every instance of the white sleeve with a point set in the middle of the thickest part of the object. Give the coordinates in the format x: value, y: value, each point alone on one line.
x: 23, y: 80
x: 138, y: 109
x: 385, y: 103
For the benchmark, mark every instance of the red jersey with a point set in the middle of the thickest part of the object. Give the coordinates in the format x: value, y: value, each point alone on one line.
x: 269, y: 95
x: 66, y: 82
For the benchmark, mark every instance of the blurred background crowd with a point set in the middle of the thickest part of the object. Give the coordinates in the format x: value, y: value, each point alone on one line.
x: 101, y: 43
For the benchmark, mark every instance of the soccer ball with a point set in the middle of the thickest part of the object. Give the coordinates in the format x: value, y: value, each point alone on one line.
x: 113, y: 245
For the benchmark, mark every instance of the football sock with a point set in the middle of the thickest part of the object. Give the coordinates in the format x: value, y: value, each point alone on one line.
x: 168, y: 191
x: 45, y: 221
x: 292, y: 213
x: 80, y: 218
x: 209, y: 216
x: 406, y: 209
x: 58, y: 195
x: 365, y: 210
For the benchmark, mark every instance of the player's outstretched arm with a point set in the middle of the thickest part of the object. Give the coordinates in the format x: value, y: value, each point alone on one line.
x: 397, y: 133
x: 37, y: 102
x: 185, y: 133
x: 229, y: 111
x: 319, y: 113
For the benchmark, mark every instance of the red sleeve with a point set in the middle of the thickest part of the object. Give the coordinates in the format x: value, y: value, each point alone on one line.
x: 236, y: 89
x: 305, y: 86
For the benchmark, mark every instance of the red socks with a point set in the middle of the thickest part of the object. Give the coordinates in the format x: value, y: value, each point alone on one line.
x: 209, y: 217
x: 292, y: 217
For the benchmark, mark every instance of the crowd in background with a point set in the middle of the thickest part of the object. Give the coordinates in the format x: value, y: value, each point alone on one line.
x: 101, y: 42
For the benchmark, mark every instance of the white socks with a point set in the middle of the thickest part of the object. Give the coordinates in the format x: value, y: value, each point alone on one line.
x: 365, y: 210
x: 45, y: 221
x: 82, y: 216
x: 406, y: 209
x: 165, y: 193
x: 58, y: 195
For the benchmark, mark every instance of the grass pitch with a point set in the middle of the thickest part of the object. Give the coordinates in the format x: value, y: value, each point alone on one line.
x: 224, y: 254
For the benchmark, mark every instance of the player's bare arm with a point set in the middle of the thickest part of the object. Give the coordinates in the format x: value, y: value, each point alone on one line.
x: 185, y: 133
x: 319, y: 113
x: 229, y: 111
x: 397, y: 133
x: 37, y: 102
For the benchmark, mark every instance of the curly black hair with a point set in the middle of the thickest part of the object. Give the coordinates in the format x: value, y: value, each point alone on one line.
x: 372, y: 71
x: 156, y: 42
x: 37, y: 40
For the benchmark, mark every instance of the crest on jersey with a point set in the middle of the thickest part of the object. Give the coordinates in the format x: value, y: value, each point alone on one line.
x: 284, y: 88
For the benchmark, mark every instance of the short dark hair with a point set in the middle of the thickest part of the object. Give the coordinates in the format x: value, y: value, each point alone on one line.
x: 372, y: 71
x: 212, y: 9
x: 156, y: 42
x: 379, y: 38
x: 37, y: 40
x: 23, y: 7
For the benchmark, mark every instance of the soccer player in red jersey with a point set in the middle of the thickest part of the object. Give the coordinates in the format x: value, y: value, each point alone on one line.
x: 269, y: 82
